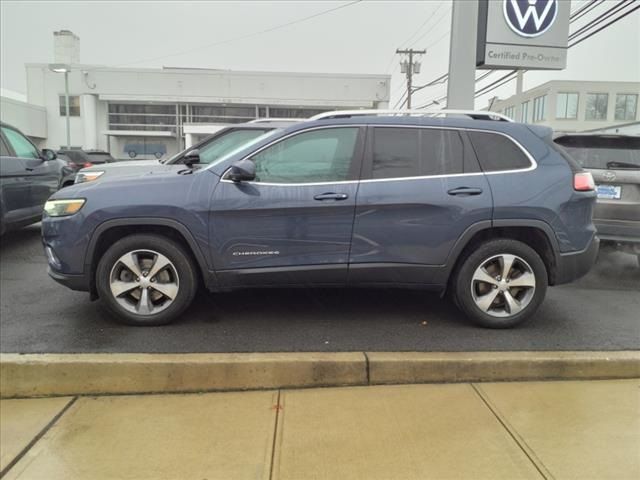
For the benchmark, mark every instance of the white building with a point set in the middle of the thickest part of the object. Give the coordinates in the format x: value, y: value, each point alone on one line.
x: 575, y: 106
x: 145, y: 112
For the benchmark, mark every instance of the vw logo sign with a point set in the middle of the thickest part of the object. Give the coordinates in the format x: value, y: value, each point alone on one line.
x: 530, y: 18
x: 609, y: 176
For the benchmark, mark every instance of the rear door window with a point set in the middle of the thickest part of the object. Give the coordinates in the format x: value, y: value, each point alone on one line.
x: 497, y: 152
x: 414, y: 152
x: 603, y: 152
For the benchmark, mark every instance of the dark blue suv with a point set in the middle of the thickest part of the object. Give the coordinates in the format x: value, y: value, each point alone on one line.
x: 488, y: 210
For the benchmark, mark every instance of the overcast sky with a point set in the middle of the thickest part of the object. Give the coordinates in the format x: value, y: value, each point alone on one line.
x: 359, y: 38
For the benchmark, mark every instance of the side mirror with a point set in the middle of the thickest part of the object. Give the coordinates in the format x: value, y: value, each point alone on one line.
x: 192, y: 156
x: 48, y: 154
x: 243, y: 171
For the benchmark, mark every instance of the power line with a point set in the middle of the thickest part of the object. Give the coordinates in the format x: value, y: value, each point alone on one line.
x: 612, y: 11
x: 241, y: 37
x: 406, y: 42
x: 444, y: 14
x: 605, y: 26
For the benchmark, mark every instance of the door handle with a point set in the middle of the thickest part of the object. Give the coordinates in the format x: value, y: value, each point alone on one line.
x: 465, y: 191
x: 331, y: 196
x: 29, y: 169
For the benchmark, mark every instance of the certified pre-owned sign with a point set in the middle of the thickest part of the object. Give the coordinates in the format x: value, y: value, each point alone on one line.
x: 529, y: 34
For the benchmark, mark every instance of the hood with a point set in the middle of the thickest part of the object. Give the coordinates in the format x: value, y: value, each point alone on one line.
x: 165, y: 175
x: 119, y: 165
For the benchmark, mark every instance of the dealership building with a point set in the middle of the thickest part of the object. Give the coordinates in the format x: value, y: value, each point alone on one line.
x: 577, y: 106
x: 141, y: 113
x: 156, y: 112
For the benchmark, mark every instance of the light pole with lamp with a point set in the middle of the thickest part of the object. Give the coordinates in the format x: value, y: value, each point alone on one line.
x: 64, y: 68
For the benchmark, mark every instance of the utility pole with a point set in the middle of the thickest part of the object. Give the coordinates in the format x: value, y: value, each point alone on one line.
x: 409, y: 68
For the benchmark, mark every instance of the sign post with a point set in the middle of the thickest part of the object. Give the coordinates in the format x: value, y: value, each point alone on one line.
x: 462, y: 69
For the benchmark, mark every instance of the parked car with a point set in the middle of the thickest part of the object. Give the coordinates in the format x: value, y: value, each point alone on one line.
x: 69, y: 171
x: 28, y: 177
x: 205, y: 151
x: 490, y: 211
x: 86, y: 158
x: 614, y: 161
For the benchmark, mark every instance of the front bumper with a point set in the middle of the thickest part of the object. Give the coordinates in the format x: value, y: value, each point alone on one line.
x: 571, y: 266
x: 74, y: 282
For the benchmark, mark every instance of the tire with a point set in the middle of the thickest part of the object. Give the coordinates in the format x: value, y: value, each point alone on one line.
x: 526, y: 283
x: 142, y: 301
x: 133, y: 154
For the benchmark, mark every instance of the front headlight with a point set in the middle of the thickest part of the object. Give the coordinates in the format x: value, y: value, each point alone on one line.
x: 82, y: 177
x: 63, y: 208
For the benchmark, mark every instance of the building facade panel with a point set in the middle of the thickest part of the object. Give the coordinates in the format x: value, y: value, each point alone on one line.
x: 574, y: 106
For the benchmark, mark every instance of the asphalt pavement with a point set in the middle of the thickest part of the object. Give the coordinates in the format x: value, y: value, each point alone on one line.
x: 599, y: 312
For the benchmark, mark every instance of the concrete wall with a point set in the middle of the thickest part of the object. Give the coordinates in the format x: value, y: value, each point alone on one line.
x: 30, y: 119
x: 551, y: 89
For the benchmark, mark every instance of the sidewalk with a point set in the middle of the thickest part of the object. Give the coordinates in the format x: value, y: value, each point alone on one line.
x: 570, y: 429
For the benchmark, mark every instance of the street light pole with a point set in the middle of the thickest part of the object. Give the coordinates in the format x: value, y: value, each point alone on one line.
x: 64, y: 68
x: 66, y: 101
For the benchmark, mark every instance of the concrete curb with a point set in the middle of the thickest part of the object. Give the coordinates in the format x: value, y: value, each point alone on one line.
x: 87, y: 374
x: 81, y: 374
x: 388, y: 368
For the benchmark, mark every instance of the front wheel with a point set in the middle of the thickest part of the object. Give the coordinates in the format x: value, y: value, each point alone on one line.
x: 501, y: 283
x: 146, y: 280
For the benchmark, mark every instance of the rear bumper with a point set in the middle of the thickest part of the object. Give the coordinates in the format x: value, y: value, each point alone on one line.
x: 621, y: 231
x: 74, y: 282
x: 574, y: 265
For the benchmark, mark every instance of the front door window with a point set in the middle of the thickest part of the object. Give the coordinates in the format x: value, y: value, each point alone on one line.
x: 318, y: 156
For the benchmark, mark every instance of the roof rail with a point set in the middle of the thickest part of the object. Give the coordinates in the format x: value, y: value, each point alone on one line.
x: 475, y: 114
x: 276, y: 119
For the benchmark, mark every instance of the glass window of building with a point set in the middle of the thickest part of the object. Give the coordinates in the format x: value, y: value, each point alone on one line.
x: 626, y: 106
x: 510, y: 111
x: 524, y: 114
x: 539, y: 108
x: 567, y: 105
x: 74, y: 106
x: 596, y: 106
x: 131, y: 116
x: 223, y: 113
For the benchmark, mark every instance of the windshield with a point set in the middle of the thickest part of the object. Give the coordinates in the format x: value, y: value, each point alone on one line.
x: 221, y: 145
x: 603, y: 152
x: 245, y: 146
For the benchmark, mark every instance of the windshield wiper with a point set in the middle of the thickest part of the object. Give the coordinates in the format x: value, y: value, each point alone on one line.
x: 615, y: 165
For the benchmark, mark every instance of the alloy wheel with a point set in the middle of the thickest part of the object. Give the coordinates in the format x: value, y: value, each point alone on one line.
x: 503, y: 285
x: 144, y: 282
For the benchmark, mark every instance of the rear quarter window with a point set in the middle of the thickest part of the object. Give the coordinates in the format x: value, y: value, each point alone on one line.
x: 497, y: 152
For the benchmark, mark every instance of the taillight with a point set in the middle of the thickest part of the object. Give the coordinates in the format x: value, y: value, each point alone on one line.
x: 87, y: 165
x: 583, y: 182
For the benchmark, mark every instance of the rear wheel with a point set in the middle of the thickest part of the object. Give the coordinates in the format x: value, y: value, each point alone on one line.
x: 501, y: 283
x: 146, y: 280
